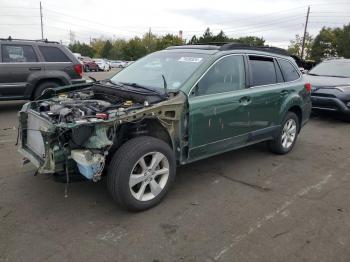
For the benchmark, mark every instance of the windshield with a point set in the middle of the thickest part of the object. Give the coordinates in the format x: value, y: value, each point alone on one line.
x: 332, y: 68
x: 176, y: 67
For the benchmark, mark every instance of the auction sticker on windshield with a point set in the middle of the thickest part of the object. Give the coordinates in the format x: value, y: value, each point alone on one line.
x: 190, y: 59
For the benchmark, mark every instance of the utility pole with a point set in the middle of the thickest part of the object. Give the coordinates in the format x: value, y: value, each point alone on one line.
x: 305, y: 31
x: 149, y: 40
x: 41, y: 20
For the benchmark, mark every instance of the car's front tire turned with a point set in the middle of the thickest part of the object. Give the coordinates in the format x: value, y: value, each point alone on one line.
x: 141, y: 173
x: 287, y: 135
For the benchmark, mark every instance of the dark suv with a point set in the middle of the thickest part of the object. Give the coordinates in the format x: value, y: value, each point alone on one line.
x: 28, y: 67
x: 169, y: 108
x: 330, y: 82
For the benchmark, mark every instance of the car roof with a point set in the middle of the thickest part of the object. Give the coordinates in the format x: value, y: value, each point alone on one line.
x: 28, y: 42
x: 231, y: 48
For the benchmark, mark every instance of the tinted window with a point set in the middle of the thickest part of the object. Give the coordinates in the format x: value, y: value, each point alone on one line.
x: 53, y: 54
x: 279, y: 73
x: 18, y: 54
x: 289, y: 71
x: 228, y: 74
x: 262, y: 71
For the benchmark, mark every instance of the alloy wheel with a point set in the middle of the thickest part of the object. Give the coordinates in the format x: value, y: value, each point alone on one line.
x: 289, y: 133
x: 149, y: 176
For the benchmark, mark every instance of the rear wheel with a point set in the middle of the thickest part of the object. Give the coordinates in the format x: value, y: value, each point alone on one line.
x: 43, y: 87
x: 285, y: 141
x: 141, y: 173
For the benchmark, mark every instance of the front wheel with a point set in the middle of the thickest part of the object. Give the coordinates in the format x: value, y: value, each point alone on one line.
x: 285, y: 141
x: 141, y: 173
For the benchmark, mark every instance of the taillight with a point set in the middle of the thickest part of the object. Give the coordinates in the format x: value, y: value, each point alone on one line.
x: 78, y: 69
x: 308, y: 87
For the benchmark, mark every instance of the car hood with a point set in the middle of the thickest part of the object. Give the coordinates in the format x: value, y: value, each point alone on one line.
x: 326, y: 81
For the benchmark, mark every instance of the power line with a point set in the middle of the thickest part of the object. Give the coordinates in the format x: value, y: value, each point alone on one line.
x: 16, y: 7
x: 90, y: 21
x: 19, y: 24
x: 19, y: 15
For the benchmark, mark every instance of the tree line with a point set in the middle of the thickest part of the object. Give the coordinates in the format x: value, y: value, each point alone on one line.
x: 329, y: 42
x: 137, y: 47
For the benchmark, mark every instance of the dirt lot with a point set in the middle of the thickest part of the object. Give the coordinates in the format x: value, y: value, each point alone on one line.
x: 246, y: 205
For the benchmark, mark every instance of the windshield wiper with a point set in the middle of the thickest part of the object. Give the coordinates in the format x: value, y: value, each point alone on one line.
x: 311, y: 74
x: 165, y: 85
x: 142, y: 87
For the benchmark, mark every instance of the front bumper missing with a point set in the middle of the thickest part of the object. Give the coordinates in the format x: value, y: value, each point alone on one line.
x: 34, y: 133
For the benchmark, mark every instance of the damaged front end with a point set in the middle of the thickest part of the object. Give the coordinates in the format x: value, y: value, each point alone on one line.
x: 77, y: 130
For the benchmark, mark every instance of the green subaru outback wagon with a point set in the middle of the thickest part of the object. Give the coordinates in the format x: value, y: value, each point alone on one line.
x: 169, y: 108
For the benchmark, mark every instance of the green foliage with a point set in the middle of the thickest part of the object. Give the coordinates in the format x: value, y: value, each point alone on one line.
x: 251, y: 40
x: 209, y: 37
x: 82, y: 48
x: 106, y: 49
x: 329, y: 42
x: 296, y: 45
x: 343, y: 41
x: 324, y: 45
x: 168, y: 40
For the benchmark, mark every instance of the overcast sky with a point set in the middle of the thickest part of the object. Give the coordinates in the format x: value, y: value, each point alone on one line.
x: 277, y: 21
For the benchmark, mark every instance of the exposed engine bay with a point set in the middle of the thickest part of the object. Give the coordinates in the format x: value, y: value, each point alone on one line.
x: 78, y: 129
x: 93, y: 104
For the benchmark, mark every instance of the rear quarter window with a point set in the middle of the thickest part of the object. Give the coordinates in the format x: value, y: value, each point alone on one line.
x: 289, y: 71
x: 53, y: 54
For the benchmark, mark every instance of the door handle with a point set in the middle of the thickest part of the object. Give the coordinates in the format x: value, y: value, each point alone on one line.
x: 34, y: 68
x: 245, y: 100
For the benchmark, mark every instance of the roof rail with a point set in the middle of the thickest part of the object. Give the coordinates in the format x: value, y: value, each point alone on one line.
x: 203, y: 47
x: 225, y: 46
x: 269, y: 49
x: 30, y: 40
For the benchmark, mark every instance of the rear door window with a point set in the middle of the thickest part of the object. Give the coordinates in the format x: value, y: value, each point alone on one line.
x: 289, y: 71
x: 53, y: 54
x: 263, y: 70
x: 18, y: 54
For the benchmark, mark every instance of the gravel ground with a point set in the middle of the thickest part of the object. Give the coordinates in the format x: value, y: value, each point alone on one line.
x: 245, y: 205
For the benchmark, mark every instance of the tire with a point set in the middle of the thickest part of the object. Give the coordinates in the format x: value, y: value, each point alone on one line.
x: 87, y: 68
x: 42, y: 87
x: 126, y: 161
x: 279, y: 144
x: 345, y: 118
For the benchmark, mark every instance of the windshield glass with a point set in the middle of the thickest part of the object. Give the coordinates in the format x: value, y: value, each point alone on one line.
x: 332, y: 68
x: 176, y: 67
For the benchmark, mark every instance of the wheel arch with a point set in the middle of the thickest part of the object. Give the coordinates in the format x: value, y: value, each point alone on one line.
x: 146, y: 127
x: 292, y: 104
x: 297, y: 110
